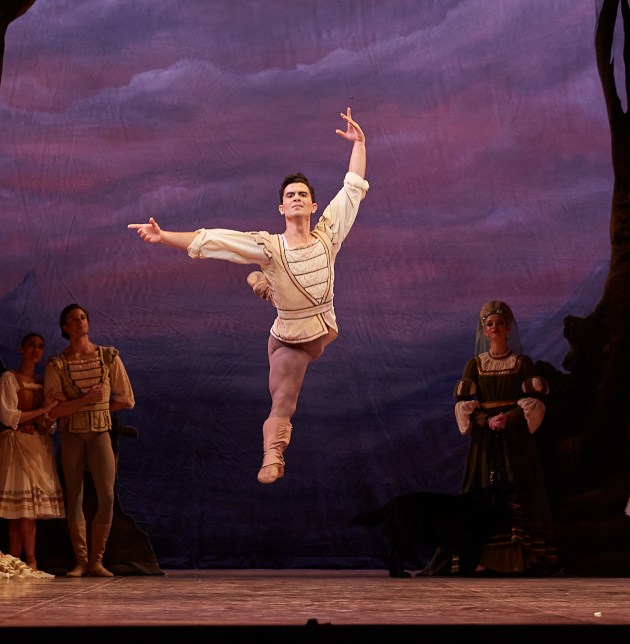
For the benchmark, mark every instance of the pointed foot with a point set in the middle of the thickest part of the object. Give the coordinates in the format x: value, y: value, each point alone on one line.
x: 270, y: 473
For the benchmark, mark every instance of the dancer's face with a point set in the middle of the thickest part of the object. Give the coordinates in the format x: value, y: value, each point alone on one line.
x: 496, y: 328
x: 297, y: 201
x: 77, y: 323
x: 32, y: 349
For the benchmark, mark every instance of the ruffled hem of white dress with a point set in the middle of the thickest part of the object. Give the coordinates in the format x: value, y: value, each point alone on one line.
x: 12, y: 567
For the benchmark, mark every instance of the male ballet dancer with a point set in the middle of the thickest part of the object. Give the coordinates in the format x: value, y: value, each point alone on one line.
x: 296, y: 276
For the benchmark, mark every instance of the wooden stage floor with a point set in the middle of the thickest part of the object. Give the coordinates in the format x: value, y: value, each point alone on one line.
x: 314, y: 606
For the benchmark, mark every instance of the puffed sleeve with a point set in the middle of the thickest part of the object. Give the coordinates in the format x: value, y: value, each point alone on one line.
x: 230, y: 245
x: 465, y: 392
x: 121, y: 390
x: 9, y: 412
x: 463, y: 412
x: 341, y: 212
x: 52, y: 377
x: 532, y: 404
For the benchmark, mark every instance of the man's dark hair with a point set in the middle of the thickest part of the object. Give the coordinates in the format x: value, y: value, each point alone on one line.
x: 64, y: 314
x: 298, y: 177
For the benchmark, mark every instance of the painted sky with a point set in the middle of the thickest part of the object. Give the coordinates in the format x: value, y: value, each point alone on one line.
x: 487, y: 140
x: 488, y: 161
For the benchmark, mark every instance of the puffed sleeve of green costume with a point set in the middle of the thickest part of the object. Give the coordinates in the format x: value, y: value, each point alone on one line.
x: 535, y: 388
x: 465, y: 393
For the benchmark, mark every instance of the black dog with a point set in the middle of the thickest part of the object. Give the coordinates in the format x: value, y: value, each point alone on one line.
x: 455, y: 523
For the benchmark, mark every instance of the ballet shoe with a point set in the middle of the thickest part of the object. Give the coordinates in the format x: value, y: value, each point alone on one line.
x: 270, y: 473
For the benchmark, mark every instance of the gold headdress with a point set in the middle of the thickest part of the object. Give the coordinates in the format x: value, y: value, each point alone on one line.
x: 496, y: 307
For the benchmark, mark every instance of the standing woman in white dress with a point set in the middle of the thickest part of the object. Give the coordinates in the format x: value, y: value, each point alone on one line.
x: 29, y: 485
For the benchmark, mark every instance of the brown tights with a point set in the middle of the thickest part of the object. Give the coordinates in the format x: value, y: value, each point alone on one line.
x: 93, y: 449
x: 287, y: 368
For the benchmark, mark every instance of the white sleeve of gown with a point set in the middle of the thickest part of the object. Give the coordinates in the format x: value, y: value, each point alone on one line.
x: 534, y: 411
x: 463, y: 410
x: 9, y: 412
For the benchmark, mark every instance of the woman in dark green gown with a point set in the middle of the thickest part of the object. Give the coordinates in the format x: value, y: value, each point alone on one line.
x: 500, y: 405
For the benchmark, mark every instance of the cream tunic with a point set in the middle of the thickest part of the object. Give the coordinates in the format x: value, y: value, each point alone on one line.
x: 74, y: 378
x: 301, y: 279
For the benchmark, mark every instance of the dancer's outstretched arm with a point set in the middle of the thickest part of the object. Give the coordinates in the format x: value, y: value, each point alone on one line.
x: 153, y: 234
x: 355, y: 134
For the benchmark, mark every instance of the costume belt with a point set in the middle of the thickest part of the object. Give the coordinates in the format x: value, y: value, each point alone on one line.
x: 298, y: 314
x: 98, y: 419
x: 498, y: 403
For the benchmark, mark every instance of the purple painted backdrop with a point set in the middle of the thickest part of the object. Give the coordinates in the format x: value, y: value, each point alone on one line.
x: 489, y: 165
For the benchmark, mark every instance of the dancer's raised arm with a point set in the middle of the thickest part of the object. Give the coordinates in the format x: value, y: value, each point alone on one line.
x: 355, y: 134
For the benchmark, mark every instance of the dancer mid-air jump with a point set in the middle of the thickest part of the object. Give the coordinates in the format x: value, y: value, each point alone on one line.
x: 297, y: 278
